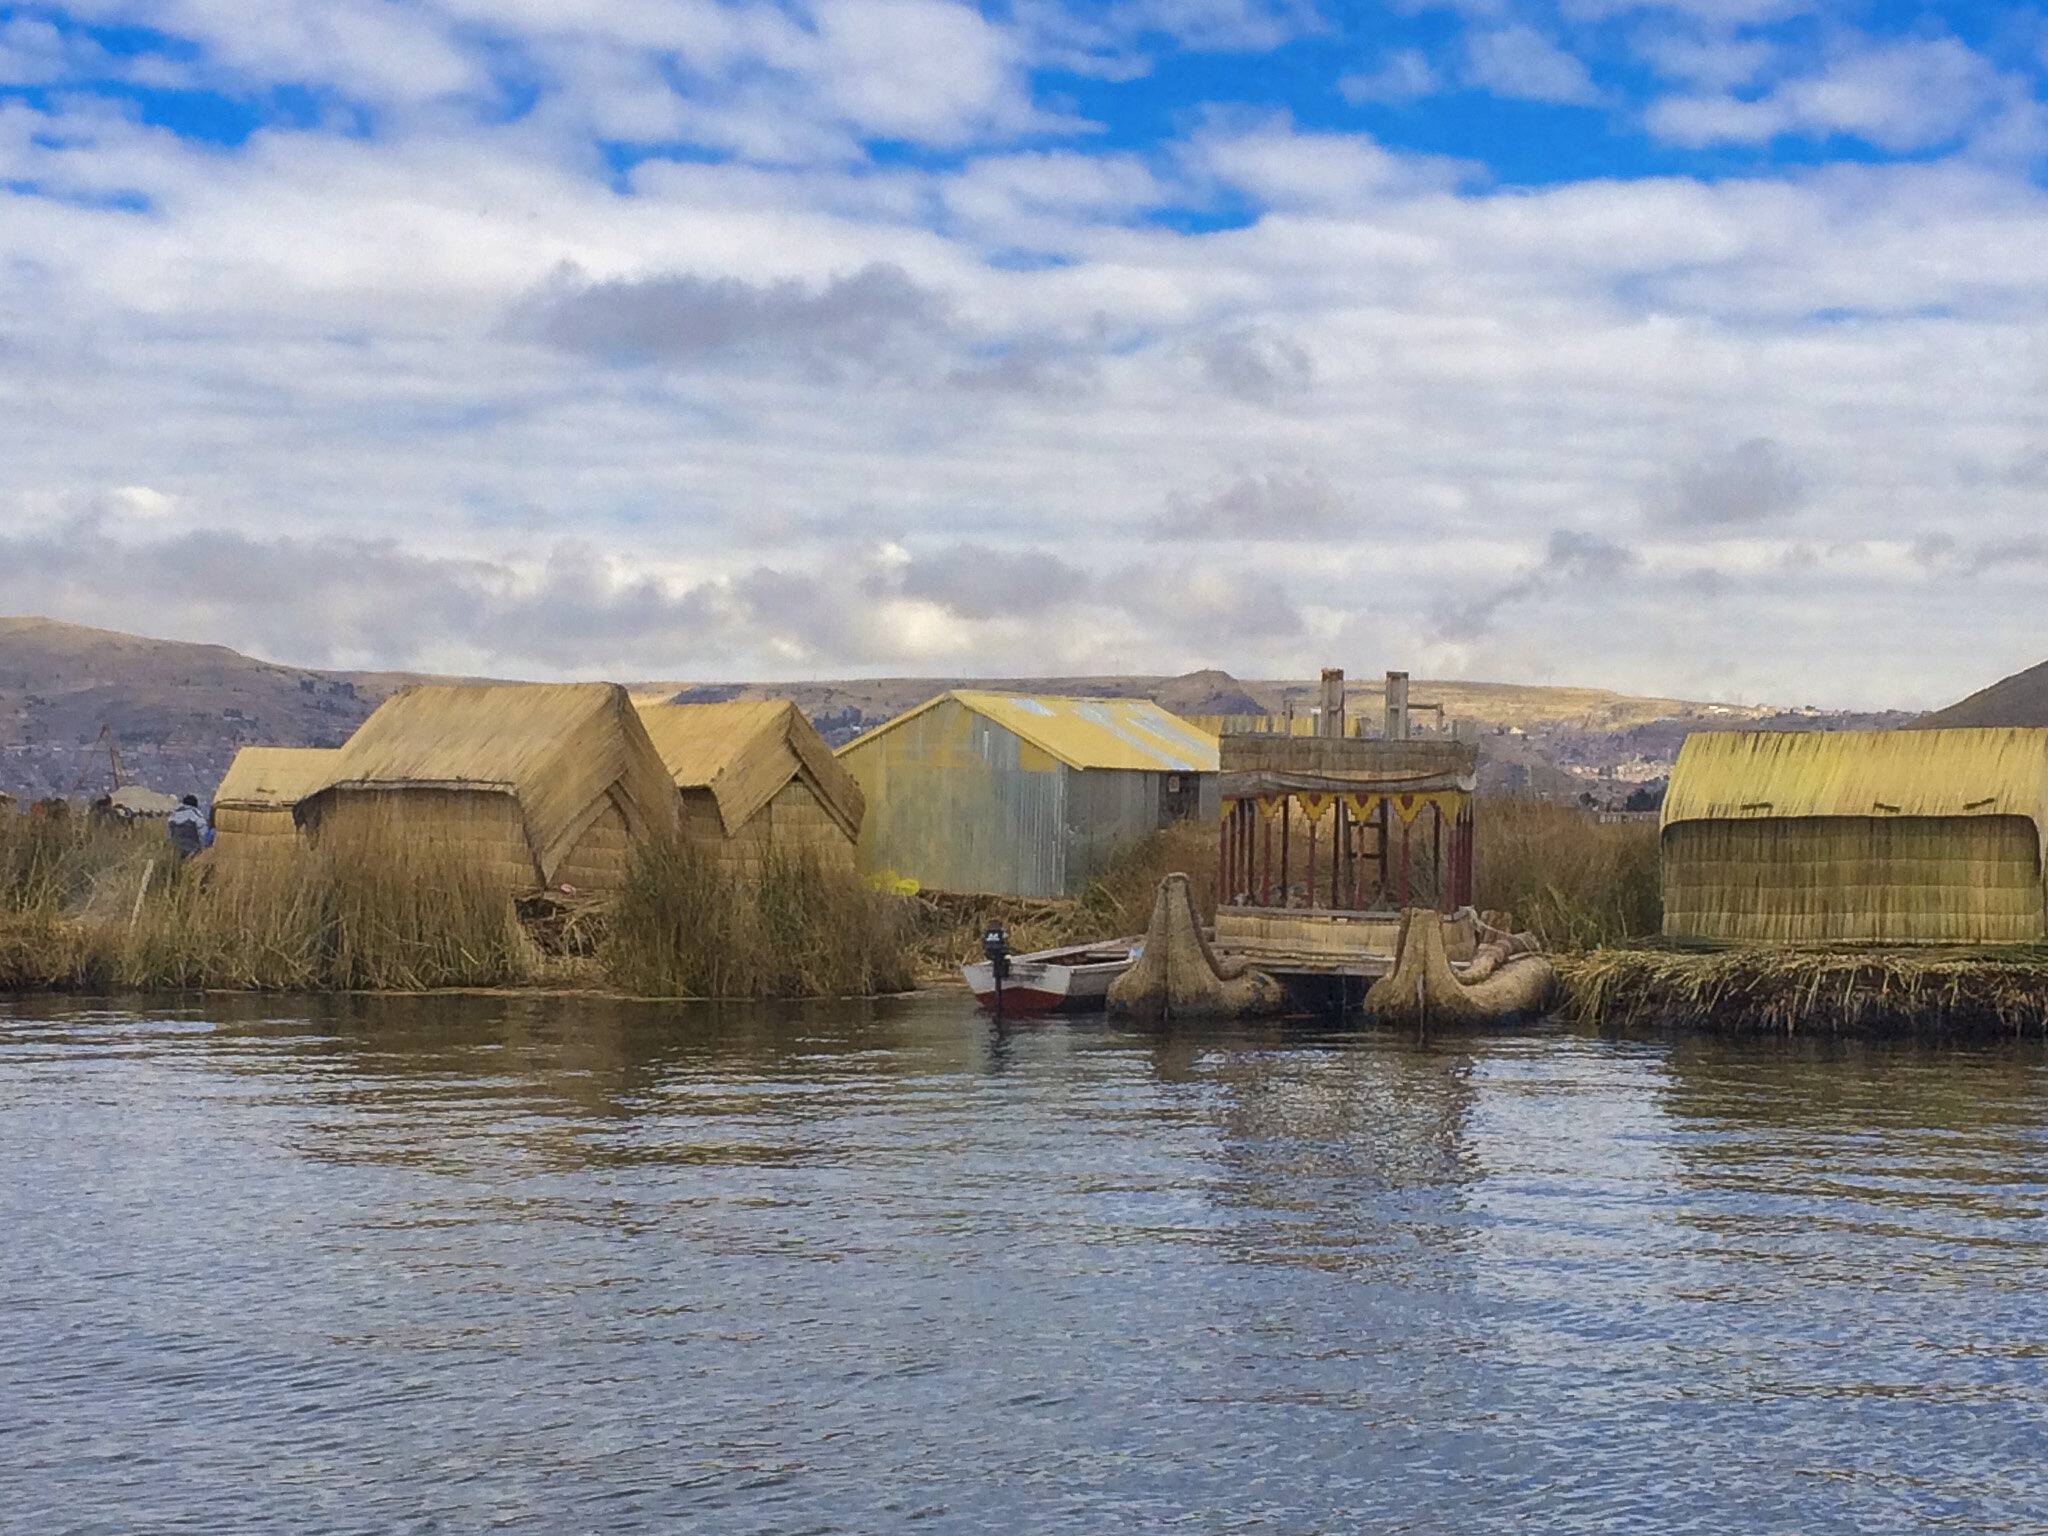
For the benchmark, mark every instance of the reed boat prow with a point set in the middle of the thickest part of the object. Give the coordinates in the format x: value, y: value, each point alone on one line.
x: 1506, y: 979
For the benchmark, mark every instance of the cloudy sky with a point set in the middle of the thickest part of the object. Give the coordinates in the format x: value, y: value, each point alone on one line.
x: 1696, y: 347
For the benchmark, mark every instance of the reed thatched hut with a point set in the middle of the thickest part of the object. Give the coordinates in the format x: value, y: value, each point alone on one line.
x: 539, y: 784
x: 754, y: 777
x: 1023, y: 795
x: 253, y: 806
x: 1857, y: 837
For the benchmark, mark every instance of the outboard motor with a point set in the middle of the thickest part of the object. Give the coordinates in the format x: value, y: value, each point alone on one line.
x: 995, y: 943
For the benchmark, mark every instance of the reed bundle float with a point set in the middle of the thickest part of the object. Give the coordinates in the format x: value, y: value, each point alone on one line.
x: 1344, y: 880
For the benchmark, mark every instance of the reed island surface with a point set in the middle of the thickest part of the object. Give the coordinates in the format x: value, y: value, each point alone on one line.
x: 1885, y: 881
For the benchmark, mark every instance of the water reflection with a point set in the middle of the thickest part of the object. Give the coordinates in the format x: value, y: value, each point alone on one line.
x: 405, y: 1263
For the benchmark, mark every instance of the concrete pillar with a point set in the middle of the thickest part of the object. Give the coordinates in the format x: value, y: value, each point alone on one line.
x: 1331, y: 721
x: 1397, y: 706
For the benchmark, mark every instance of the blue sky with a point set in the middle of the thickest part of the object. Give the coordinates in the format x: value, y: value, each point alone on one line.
x: 1694, y: 348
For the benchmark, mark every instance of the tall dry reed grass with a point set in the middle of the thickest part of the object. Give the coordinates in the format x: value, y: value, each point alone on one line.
x: 98, y: 905
x: 57, y: 877
x: 1574, y: 882
x: 55, y: 866
x: 374, y: 913
x: 685, y: 926
x: 1770, y: 989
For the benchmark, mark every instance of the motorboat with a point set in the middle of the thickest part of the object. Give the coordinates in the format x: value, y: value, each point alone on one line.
x: 1071, y: 980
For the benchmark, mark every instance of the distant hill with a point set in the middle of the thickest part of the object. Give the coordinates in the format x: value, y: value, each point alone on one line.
x: 2021, y: 699
x: 176, y: 712
x: 844, y: 708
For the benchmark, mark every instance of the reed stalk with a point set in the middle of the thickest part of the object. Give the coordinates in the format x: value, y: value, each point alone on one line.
x: 1573, y: 881
x: 686, y: 926
x: 1772, y: 990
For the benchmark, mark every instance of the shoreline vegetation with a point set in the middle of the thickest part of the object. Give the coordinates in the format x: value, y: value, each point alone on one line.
x: 94, y: 906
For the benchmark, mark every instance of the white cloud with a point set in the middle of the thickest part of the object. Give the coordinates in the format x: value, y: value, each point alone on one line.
x: 1403, y: 75
x: 1520, y: 62
x: 1281, y: 167
x: 878, y: 417
x: 1899, y: 96
x: 923, y: 70
x: 1713, y: 61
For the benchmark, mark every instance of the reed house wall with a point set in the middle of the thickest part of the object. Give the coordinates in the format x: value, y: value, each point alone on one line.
x: 246, y: 831
x: 482, y: 827
x: 793, y: 825
x: 1855, y: 880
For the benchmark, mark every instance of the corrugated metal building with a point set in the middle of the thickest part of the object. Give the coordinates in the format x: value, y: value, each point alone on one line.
x: 1023, y: 795
x: 1857, y: 837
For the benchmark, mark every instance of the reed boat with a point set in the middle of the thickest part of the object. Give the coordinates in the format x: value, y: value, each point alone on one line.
x: 1071, y: 980
x: 1507, y: 979
x: 1183, y: 973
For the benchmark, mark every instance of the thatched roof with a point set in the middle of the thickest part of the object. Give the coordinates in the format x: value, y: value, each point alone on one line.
x: 139, y: 800
x: 745, y: 751
x: 1735, y: 775
x: 562, y: 750
x: 274, y: 778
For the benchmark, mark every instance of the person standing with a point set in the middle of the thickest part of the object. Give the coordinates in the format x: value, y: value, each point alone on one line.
x: 186, y: 827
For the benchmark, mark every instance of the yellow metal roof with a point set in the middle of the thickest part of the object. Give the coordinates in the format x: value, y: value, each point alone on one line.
x: 274, y: 778
x: 1084, y: 733
x: 1736, y: 775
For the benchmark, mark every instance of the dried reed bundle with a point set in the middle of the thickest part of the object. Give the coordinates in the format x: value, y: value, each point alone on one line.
x: 54, y: 867
x: 40, y: 952
x: 1784, y: 991
x: 358, y: 912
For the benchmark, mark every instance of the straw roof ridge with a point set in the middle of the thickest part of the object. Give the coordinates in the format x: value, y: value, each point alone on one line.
x: 744, y: 751
x: 274, y: 778
x: 1735, y: 775
x: 564, y: 751
x: 1082, y: 733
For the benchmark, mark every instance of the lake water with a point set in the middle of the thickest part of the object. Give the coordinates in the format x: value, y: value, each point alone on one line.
x: 525, y: 1264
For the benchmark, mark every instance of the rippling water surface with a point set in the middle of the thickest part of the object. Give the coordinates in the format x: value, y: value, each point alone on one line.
x: 553, y: 1265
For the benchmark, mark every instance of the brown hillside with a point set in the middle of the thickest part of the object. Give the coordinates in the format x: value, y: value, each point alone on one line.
x: 177, y: 712
x: 2021, y: 699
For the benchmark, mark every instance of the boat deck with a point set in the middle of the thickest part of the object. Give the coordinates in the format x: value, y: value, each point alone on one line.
x: 1315, y: 941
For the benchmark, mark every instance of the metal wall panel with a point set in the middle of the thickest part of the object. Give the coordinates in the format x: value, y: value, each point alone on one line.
x: 1106, y: 808
x: 952, y: 805
x: 958, y: 802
